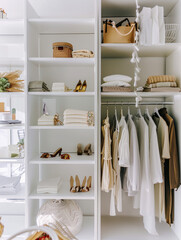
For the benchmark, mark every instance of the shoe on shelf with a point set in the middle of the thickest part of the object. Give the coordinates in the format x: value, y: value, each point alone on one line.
x: 88, y: 149
x: 84, y: 86
x: 72, y: 188
x: 79, y: 149
x: 58, y: 151
x: 78, y: 86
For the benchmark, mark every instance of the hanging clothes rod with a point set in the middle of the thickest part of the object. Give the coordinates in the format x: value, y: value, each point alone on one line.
x: 140, y: 103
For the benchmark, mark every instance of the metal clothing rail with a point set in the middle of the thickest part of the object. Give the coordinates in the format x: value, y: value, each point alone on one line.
x: 140, y: 103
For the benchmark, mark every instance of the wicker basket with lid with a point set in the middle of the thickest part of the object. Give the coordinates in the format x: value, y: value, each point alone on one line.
x: 62, y: 50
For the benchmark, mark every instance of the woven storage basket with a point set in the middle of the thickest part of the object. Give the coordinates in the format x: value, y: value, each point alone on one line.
x: 171, y: 31
x: 62, y: 50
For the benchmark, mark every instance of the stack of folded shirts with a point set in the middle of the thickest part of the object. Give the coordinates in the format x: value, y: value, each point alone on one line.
x: 116, y: 83
x: 9, y: 185
x: 78, y: 118
x: 51, y: 185
x: 162, y: 83
x: 38, y: 86
x: 59, y: 87
x: 46, y: 120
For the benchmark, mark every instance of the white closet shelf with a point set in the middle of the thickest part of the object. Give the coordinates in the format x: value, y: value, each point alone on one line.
x: 74, y: 159
x: 61, y: 127
x: 12, y: 94
x: 11, y: 27
x: 120, y: 226
x: 126, y: 8
x: 64, y: 194
x: 63, y: 61
x: 20, y: 194
x: 12, y: 126
x: 12, y: 61
x: 64, y: 25
x: 87, y: 230
x: 142, y: 94
x: 11, y: 160
x: 118, y: 50
x: 63, y: 94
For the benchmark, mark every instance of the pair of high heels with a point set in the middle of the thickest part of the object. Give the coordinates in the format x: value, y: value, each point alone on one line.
x: 81, y: 87
x: 87, y: 149
x: 49, y: 155
x: 78, y: 187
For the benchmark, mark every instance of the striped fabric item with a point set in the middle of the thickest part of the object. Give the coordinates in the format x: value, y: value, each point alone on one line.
x: 160, y: 78
x: 161, y: 84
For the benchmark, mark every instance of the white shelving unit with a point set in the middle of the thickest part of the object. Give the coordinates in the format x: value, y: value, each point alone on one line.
x: 155, y: 60
x: 79, y: 26
x: 12, y: 57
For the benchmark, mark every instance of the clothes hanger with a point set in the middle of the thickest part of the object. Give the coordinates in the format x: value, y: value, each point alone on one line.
x: 129, y: 113
x: 147, y: 114
x: 139, y: 113
x: 157, y: 112
x: 122, y: 112
x: 107, y: 111
x: 116, y: 116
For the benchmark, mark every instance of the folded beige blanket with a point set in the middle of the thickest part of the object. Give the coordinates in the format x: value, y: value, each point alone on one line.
x: 161, y: 84
x: 160, y: 78
x: 82, y: 54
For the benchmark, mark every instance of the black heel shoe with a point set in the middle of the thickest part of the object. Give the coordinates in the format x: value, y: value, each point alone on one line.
x: 58, y: 151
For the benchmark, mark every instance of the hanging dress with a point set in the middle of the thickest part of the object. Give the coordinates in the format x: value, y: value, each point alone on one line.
x: 116, y: 193
x: 106, y: 164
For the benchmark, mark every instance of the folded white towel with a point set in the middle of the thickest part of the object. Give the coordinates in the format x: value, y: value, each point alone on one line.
x: 58, y: 85
x: 46, y: 120
x: 81, y: 117
x: 117, y: 77
x: 51, y: 185
x: 116, y: 83
x: 75, y: 112
x: 9, y: 182
x: 77, y: 124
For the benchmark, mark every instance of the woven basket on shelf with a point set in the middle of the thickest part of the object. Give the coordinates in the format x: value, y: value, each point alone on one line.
x: 171, y: 31
x: 62, y: 50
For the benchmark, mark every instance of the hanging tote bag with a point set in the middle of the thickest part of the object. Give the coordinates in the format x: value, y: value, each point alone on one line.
x: 116, y: 33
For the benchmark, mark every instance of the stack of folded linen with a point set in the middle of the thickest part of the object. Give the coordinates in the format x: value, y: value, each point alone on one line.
x: 116, y: 83
x: 78, y: 118
x: 38, y: 86
x: 162, y: 83
x: 9, y: 185
x: 59, y: 87
x: 46, y: 120
x: 82, y: 54
x: 51, y: 185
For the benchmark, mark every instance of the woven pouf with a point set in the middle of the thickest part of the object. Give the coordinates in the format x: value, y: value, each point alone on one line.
x: 67, y: 212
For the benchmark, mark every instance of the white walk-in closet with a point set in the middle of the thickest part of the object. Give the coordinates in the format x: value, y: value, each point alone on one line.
x: 26, y: 39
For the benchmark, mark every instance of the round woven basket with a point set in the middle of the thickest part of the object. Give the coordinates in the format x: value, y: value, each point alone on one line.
x: 67, y: 212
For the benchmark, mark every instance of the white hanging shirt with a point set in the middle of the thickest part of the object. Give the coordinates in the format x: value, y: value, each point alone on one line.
x: 147, y: 201
x: 123, y: 149
x: 155, y: 161
x: 133, y: 175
